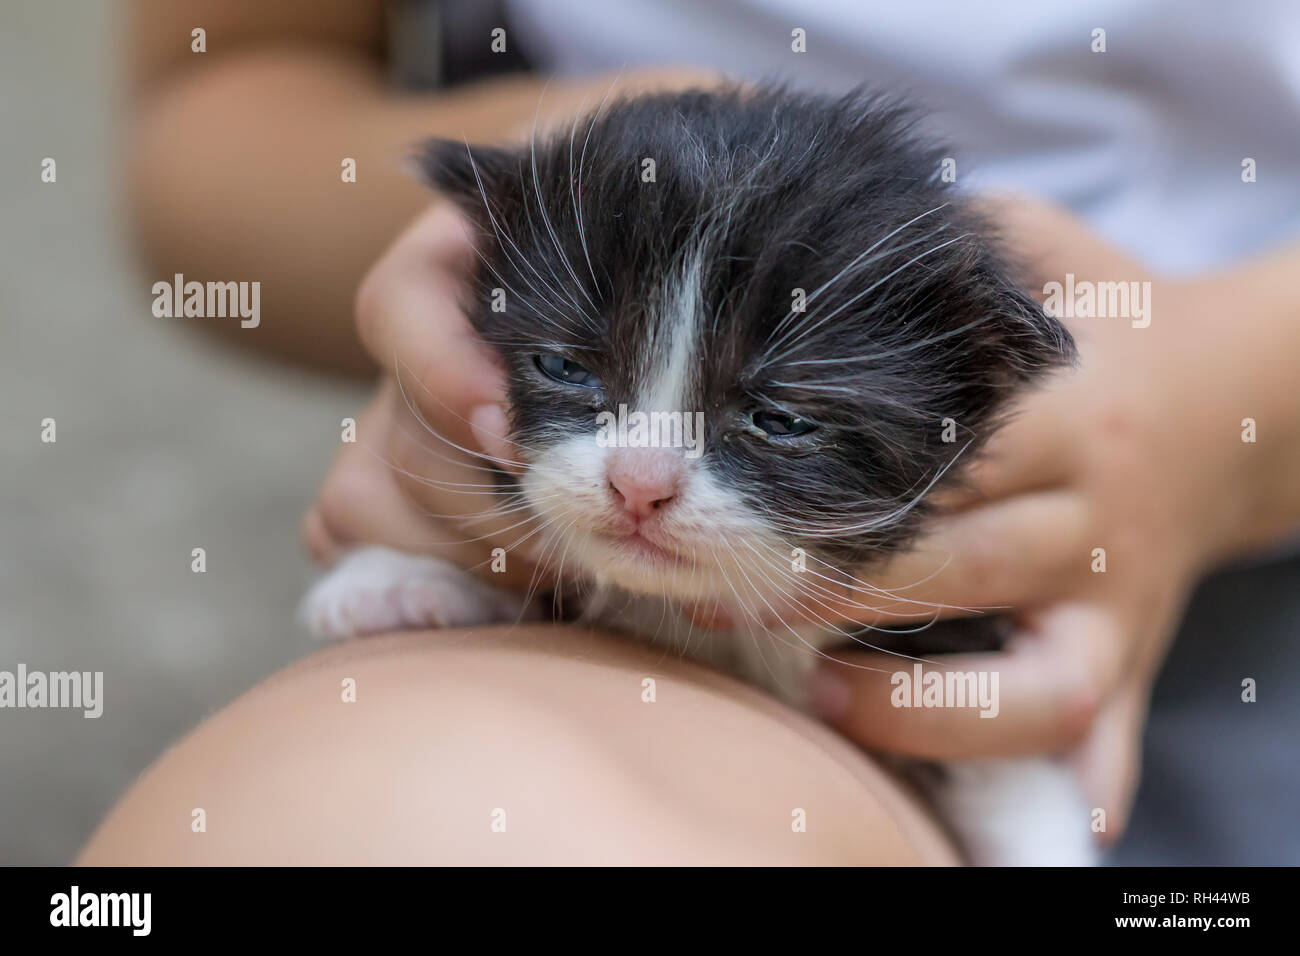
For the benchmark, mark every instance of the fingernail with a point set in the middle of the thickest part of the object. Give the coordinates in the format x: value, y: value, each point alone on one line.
x: 488, y: 422
x: 828, y: 695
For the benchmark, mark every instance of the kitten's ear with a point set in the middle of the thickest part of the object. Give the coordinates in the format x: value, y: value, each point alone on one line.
x: 465, y: 174
x: 1012, y: 340
x: 1034, y: 341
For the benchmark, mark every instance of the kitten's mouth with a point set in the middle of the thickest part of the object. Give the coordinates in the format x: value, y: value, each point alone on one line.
x: 639, y: 546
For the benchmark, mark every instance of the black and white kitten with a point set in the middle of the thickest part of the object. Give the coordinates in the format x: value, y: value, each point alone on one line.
x: 786, y: 291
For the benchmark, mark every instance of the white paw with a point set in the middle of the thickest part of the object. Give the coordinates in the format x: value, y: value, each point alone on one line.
x: 378, y: 589
x: 1019, y: 812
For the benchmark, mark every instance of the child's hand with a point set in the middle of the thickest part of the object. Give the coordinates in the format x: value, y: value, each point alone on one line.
x: 1137, y: 454
x: 412, y: 479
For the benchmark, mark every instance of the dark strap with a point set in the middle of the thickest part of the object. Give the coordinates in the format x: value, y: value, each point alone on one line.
x: 436, y: 43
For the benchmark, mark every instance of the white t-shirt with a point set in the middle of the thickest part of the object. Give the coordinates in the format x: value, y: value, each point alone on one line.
x: 1146, y: 140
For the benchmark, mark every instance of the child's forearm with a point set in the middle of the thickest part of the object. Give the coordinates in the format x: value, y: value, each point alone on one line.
x: 237, y: 167
x: 236, y: 174
x: 1251, y: 332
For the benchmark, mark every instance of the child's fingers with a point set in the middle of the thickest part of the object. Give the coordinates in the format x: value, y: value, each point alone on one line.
x: 1018, y: 552
x: 1040, y: 696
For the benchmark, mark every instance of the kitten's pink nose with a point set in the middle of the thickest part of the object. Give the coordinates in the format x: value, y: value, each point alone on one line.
x: 643, y: 480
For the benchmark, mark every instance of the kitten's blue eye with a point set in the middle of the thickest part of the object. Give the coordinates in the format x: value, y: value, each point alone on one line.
x: 780, y: 425
x: 570, y: 373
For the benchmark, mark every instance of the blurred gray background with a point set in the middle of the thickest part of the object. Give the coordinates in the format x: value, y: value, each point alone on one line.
x: 165, y: 443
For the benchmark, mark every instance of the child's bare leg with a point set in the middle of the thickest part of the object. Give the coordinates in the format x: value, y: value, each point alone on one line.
x: 532, y: 744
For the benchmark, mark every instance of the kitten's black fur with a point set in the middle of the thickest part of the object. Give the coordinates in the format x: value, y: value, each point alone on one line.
x: 782, y: 191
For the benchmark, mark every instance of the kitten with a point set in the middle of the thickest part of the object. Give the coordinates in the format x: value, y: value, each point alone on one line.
x: 779, y: 286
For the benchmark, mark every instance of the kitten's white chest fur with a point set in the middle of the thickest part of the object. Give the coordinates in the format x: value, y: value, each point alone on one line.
x: 1005, y: 812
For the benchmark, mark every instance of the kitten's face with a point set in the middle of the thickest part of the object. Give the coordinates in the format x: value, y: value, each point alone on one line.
x: 785, y: 296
